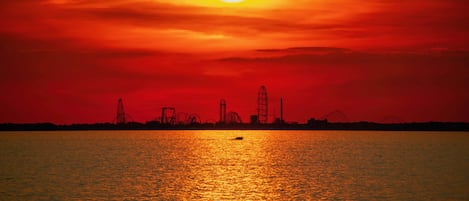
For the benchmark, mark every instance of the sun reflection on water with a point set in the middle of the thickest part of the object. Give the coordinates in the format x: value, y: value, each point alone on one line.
x: 229, y: 169
x: 210, y: 165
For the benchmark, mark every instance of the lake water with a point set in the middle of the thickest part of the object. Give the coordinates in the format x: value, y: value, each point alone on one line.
x: 209, y: 165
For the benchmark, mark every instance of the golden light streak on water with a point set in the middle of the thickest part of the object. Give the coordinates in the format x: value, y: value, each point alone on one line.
x: 210, y: 165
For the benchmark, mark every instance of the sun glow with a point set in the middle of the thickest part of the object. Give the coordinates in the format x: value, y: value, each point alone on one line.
x: 232, y: 1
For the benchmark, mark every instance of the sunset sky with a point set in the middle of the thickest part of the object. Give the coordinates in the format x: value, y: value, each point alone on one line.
x: 69, y: 61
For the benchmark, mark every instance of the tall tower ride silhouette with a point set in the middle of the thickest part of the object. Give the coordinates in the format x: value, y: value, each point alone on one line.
x: 281, y: 110
x: 262, y: 105
x: 222, y: 111
x: 120, y: 117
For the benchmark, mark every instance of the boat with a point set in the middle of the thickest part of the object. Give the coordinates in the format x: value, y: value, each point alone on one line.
x: 239, y: 138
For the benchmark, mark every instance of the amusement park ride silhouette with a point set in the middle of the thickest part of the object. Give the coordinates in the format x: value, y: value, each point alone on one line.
x: 169, y: 116
x: 172, y: 120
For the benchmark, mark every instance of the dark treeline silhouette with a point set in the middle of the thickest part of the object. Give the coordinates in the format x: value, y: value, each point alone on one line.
x: 311, y: 125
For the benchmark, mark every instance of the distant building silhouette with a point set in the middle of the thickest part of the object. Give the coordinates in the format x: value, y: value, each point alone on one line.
x: 314, y: 122
x: 254, y: 119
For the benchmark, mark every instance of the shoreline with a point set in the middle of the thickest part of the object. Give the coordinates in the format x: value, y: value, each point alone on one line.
x: 356, y: 126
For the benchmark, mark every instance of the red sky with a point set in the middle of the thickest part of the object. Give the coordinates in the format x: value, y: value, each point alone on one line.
x: 68, y: 61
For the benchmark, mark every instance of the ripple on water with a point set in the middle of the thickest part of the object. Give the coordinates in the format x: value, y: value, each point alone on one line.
x: 209, y: 165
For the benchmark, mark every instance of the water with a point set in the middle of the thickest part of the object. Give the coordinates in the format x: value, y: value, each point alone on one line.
x: 209, y: 165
